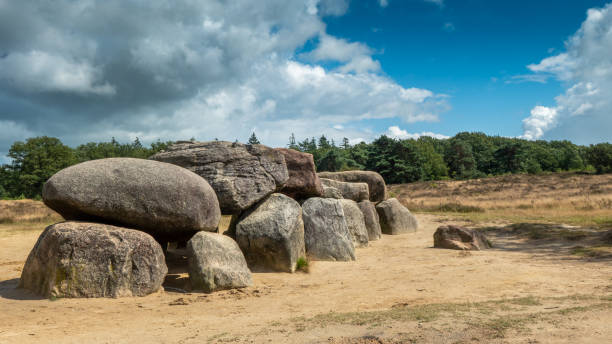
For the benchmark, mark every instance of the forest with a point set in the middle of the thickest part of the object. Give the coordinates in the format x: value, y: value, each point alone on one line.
x: 464, y: 156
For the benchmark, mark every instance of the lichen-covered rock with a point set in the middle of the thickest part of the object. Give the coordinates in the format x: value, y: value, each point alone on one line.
x: 356, y: 191
x: 355, y: 222
x: 376, y: 184
x: 372, y: 222
x: 271, y: 235
x: 240, y: 174
x: 81, y: 259
x: 331, y: 192
x: 303, y: 181
x: 395, y: 218
x: 167, y: 201
x: 326, y: 234
x: 216, y: 263
x: 459, y: 238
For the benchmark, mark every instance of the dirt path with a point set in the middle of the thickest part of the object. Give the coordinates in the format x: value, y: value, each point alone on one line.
x: 399, y: 290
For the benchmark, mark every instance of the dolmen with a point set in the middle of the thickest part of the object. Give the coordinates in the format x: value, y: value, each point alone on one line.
x: 121, y: 213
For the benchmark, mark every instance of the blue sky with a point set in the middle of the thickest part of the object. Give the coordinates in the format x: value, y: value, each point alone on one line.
x: 469, y: 50
x: 91, y: 70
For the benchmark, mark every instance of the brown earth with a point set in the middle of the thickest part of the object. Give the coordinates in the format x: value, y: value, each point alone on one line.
x: 528, y: 289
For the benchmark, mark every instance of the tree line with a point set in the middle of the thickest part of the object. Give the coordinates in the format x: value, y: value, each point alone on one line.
x: 464, y: 156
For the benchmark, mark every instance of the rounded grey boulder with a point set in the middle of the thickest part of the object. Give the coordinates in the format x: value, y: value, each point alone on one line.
x: 81, y: 259
x: 331, y: 192
x: 271, y: 235
x: 459, y: 238
x: 395, y: 218
x: 216, y: 263
x: 326, y: 234
x: 356, y: 191
x: 355, y: 222
x: 167, y: 201
x: 303, y: 181
x: 376, y: 183
x: 371, y: 219
x: 240, y: 174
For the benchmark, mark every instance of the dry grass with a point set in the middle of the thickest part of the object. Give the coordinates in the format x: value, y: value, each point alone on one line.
x: 577, y: 199
x: 25, y: 215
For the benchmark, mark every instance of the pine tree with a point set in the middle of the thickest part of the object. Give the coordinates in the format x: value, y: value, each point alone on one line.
x: 292, y: 144
x: 345, y: 143
x: 253, y: 140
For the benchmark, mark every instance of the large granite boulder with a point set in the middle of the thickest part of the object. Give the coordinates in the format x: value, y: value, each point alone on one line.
x: 372, y: 222
x: 459, y: 238
x: 81, y: 259
x: 326, y: 234
x: 303, y: 180
x: 216, y: 263
x: 376, y: 183
x: 356, y: 191
x: 240, y: 174
x: 355, y: 222
x: 167, y: 201
x: 271, y: 235
x: 395, y: 218
x: 331, y: 192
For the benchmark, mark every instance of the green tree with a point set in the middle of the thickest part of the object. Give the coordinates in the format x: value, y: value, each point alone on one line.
x: 34, y: 161
x: 460, y: 159
x: 292, y: 144
x: 600, y: 156
x: 345, y: 143
x: 253, y: 140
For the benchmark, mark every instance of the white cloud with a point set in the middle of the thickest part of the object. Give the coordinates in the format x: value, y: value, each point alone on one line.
x: 542, y: 118
x: 201, y: 69
x: 39, y: 71
x: 584, y: 111
x: 448, y: 27
x: 383, y: 3
x: 397, y: 133
x: 355, y: 56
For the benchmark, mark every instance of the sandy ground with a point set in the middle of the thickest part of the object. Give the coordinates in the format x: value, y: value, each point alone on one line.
x: 569, y: 300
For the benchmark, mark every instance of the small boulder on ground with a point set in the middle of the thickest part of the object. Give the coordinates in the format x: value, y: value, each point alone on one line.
x: 326, y: 234
x: 303, y: 181
x: 395, y: 218
x: 459, y: 238
x: 271, y: 235
x: 81, y: 259
x: 376, y: 183
x: 167, y: 201
x: 356, y: 191
x: 331, y: 192
x: 372, y: 221
x: 355, y: 222
x: 216, y: 263
x: 240, y: 174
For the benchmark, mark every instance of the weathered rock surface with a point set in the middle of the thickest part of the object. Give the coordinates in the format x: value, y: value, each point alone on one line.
x: 355, y: 222
x: 216, y: 263
x: 372, y: 222
x: 303, y: 181
x: 376, y: 183
x: 81, y: 259
x: 356, y: 191
x: 331, y: 192
x: 395, y: 218
x: 271, y: 235
x: 326, y: 234
x: 459, y: 238
x: 167, y: 201
x: 240, y: 174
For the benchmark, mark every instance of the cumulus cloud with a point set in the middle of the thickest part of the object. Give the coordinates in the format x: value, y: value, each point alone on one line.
x: 91, y: 70
x: 584, y: 111
x: 397, y: 133
x: 383, y: 3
